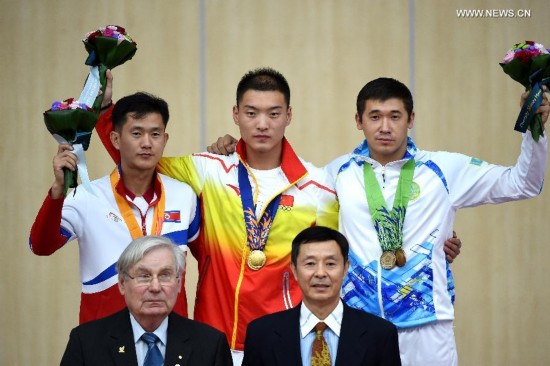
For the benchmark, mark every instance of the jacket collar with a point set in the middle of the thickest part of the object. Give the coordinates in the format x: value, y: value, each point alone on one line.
x: 287, y: 347
x: 121, y: 340
x: 362, y: 150
x: 178, y: 347
x: 291, y: 164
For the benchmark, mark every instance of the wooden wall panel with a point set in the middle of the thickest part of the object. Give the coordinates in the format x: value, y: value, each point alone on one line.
x: 43, y: 60
x: 465, y: 103
x: 325, y: 50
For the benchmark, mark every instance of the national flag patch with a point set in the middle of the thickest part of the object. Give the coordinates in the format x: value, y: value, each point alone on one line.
x: 476, y: 161
x: 172, y: 216
x: 287, y: 202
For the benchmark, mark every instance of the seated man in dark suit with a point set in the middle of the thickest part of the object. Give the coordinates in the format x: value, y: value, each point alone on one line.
x: 147, y: 332
x: 322, y: 330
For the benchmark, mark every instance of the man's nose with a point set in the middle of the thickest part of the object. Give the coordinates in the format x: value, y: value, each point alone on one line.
x: 147, y: 140
x: 155, y: 286
x: 385, y: 125
x: 262, y: 122
x: 320, y: 271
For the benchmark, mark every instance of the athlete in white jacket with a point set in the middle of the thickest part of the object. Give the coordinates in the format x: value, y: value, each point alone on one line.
x: 397, y: 266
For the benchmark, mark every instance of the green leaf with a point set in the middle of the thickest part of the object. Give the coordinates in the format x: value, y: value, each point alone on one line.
x: 109, y: 53
x: 536, y: 127
x: 517, y: 70
x: 541, y: 62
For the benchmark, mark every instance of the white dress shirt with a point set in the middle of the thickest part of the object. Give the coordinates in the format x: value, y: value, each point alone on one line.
x: 331, y: 333
x: 141, y: 346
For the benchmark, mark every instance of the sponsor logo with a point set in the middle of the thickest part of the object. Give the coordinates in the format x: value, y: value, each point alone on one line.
x: 114, y: 217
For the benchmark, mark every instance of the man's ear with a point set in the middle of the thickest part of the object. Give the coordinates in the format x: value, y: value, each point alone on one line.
x: 358, y: 121
x: 121, y: 287
x: 288, y: 115
x: 293, y: 269
x: 115, y: 139
x: 236, y: 114
x: 411, y: 121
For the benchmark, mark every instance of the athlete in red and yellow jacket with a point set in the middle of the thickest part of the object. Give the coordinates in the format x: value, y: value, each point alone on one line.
x: 253, y: 203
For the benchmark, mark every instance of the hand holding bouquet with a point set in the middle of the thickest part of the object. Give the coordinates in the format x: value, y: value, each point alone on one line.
x: 529, y: 64
x: 108, y: 47
x: 70, y: 122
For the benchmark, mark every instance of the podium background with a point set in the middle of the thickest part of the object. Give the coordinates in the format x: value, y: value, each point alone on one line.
x: 193, y: 53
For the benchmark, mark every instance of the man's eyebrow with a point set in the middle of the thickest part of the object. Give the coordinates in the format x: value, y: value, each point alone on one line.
x: 249, y: 106
x: 332, y: 256
x: 374, y: 111
x: 268, y: 108
x: 146, y: 269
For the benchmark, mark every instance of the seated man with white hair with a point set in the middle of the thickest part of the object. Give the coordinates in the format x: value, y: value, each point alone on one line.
x: 147, y: 332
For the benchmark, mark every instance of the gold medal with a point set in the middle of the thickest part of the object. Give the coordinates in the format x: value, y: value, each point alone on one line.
x: 387, y: 260
x: 256, y: 259
x: 400, y: 258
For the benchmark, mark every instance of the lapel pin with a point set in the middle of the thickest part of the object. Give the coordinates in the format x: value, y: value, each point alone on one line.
x: 121, y: 349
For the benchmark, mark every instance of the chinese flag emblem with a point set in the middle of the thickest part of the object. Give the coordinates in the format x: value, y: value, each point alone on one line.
x: 287, y: 202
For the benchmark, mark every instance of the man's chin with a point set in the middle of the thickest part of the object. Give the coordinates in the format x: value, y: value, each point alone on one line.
x: 154, y: 306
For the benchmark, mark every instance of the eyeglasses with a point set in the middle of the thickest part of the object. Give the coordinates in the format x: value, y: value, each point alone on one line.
x: 147, y: 279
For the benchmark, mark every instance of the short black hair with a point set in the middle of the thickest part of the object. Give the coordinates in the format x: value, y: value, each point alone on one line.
x: 383, y: 89
x: 263, y: 79
x: 316, y: 234
x: 137, y: 106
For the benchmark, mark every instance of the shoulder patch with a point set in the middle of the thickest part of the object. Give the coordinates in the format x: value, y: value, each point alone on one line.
x: 476, y: 161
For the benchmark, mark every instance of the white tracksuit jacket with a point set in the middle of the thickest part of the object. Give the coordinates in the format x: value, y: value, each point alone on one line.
x: 423, y: 290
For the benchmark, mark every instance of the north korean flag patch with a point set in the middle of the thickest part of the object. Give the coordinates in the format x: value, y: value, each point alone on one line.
x: 172, y: 216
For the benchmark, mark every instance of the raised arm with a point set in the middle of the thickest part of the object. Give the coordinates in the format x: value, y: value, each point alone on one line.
x: 46, y: 234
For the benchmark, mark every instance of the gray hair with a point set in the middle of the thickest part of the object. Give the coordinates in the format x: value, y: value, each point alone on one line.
x: 139, y: 247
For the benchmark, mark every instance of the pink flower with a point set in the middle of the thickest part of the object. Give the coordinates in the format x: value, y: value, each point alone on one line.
x: 69, y: 104
x: 109, y: 33
x: 509, y: 57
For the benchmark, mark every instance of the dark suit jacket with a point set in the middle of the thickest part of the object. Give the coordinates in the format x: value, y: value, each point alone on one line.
x: 110, y: 341
x: 365, y: 339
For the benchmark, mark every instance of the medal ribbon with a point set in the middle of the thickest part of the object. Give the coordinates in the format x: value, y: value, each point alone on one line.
x: 128, y: 215
x: 389, y: 224
x: 256, y: 230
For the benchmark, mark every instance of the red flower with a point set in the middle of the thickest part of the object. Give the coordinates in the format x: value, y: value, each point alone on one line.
x: 525, y: 55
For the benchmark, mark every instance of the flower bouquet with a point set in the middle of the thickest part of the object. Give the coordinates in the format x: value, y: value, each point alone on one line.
x: 70, y: 122
x: 73, y: 121
x: 107, y: 47
x: 529, y: 64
